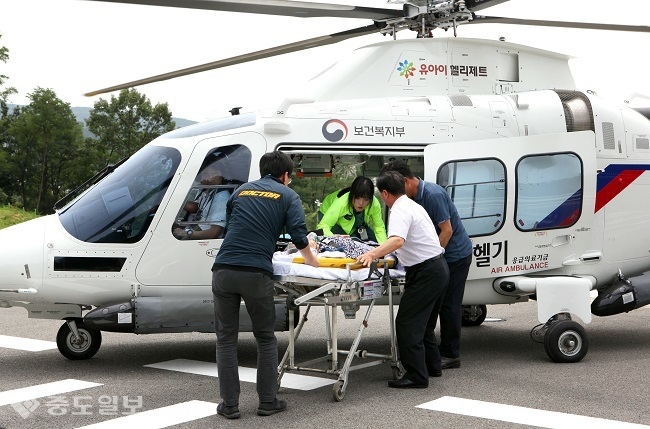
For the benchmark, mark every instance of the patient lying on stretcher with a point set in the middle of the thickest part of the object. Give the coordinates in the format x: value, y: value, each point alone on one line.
x: 349, y: 247
x: 334, y: 253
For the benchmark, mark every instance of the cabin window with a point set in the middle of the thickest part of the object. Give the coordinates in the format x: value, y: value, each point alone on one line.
x: 478, y: 190
x: 549, y: 191
x: 203, y: 213
x: 120, y: 208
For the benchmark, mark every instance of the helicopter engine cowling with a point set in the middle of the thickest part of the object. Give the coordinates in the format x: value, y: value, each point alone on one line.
x: 622, y: 296
x: 150, y: 315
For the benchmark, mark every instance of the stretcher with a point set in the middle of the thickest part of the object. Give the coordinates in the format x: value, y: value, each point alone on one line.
x: 330, y: 288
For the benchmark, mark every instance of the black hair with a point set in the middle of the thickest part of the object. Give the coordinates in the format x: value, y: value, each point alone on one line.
x: 400, y: 166
x: 276, y: 163
x: 343, y: 192
x: 393, y: 182
x: 361, y: 187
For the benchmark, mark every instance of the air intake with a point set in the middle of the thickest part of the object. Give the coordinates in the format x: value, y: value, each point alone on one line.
x: 609, y: 142
x: 460, y: 100
x: 577, y: 111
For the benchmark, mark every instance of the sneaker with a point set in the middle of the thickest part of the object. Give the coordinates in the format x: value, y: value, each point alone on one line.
x: 449, y: 363
x: 228, y: 412
x: 270, y: 408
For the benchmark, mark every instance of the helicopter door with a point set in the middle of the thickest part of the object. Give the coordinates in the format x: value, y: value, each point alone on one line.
x: 189, y: 234
x: 526, y: 202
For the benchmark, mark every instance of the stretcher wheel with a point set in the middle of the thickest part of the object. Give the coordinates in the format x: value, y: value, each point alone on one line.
x: 396, y: 373
x: 291, y: 302
x: 337, y: 391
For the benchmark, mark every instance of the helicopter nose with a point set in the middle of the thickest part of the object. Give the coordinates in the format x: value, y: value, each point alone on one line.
x: 21, y: 259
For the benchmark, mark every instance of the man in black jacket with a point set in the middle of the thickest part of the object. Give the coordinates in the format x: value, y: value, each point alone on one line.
x: 256, y: 214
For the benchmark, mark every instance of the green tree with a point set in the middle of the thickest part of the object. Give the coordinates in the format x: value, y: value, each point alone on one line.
x: 127, y: 123
x: 45, y: 150
x: 313, y: 190
x: 4, y: 92
x: 8, y: 183
x: 5, y: 179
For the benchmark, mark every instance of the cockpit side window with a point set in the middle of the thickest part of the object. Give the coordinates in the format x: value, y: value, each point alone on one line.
x: 203, y: 213
x: 120, y: 208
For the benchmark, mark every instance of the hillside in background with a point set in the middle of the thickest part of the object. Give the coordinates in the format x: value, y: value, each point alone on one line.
x: 82, y: 113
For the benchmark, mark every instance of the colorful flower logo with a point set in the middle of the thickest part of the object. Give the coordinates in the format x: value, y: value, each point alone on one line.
x: 406, y: 69
x: 340, y: 130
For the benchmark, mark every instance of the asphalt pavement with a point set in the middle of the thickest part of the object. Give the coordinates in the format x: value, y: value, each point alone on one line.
x: 169, y: 380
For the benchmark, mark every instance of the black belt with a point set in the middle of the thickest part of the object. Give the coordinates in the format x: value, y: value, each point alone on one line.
x: 423, y: 263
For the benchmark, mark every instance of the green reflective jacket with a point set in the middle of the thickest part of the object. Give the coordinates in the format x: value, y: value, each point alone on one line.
x: 327, y: 201
x: 339, y: 208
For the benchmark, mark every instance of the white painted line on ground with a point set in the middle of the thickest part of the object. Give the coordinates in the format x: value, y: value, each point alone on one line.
x: 494, y: 319
x: 523, y: 415
x: 160, y: 417
x: 26, y: 344
x: 41, y: 390
x: 289, y: 380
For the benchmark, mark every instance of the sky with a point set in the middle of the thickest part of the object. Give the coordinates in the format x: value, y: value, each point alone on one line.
x: 76, y: 46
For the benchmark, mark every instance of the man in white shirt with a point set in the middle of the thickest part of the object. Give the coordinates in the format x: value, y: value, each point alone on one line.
x: 412, y: 235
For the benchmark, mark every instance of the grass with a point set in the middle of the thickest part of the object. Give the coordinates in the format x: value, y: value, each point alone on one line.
x: 11, y: 216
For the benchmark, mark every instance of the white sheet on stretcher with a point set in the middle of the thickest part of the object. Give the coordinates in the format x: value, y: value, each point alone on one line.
x: 283, y: 266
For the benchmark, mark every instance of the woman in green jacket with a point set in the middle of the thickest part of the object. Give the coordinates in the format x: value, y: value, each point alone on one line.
x: 356, y: 213
x: 328, y: 200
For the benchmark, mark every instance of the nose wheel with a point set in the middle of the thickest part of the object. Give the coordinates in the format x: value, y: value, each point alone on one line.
x: 75, y: 341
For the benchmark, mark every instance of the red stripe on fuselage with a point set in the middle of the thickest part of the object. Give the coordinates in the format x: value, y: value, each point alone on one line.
x: 571, y: 219
x: 615, y: 187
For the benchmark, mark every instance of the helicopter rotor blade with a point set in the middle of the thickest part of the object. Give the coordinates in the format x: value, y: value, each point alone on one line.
x: 277, y: 7
x: 264, y: 53
x: 480, y: 19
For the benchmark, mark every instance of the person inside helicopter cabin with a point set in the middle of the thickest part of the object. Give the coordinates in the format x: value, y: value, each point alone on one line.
x: 356, y: 213
x: 206, y: 214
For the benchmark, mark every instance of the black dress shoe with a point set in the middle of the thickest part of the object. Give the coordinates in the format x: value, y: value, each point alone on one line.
x: 435, y: 373
x: 405, y: 383
x: 449, y: 363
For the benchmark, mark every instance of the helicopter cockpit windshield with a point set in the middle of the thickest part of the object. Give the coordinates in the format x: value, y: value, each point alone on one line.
x: 120, y: 208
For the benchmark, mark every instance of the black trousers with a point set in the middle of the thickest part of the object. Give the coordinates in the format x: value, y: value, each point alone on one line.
x: 417, y: 317
x: 451, y: 311
x: 229, y: 287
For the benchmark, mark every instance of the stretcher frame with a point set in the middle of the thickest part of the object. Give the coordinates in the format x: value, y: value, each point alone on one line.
x: 350, y: 295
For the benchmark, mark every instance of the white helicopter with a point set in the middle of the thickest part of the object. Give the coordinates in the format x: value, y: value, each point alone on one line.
x: 546, y: 178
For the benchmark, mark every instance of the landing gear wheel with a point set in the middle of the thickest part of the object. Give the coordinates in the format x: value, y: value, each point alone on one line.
x: 474, y: 315
x: 337, y: 391
x: 78, y: 349
x: 566, y: 341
